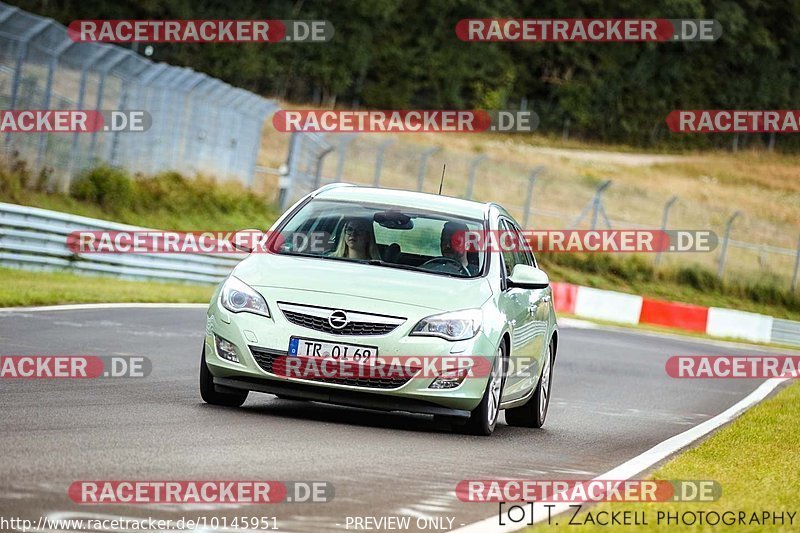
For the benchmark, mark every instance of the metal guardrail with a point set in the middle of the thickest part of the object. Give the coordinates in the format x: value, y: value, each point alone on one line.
x: 785, y: 332
x: 36, y: 239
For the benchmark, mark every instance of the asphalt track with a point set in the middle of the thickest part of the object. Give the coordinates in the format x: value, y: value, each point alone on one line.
x: 611, y: 401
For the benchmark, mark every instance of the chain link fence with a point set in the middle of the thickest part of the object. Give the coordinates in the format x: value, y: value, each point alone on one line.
x: 542, y: 198
x: 199, y: 123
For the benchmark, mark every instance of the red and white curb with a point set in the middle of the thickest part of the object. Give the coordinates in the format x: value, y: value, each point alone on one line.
x: 586, y: 302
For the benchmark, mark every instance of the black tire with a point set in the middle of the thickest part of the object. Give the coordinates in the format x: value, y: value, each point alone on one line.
x: 480, y: 422
x: 534, y: 412
x: 210, y: 394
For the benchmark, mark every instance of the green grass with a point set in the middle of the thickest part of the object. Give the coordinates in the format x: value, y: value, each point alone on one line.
x: 23, y: 288
x: 165, y: 201
x: 754, y: 460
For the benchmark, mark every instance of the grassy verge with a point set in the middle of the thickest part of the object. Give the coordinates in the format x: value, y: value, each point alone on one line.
x: 22, y: 288
x: 752, y: 459
x: 166, y: 201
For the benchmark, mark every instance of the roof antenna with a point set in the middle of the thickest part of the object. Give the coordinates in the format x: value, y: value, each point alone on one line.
x: 444, y: 167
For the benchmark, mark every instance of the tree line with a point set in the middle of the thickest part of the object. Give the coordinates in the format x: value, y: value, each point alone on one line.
x: 401, y: 54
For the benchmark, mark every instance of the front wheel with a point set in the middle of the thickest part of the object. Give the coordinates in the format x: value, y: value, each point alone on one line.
x: 210, y: 394
x: 483, y: 418
x: 533, y: 413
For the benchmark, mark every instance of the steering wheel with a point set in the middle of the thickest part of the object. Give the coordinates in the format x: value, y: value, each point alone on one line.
x: 447, y: 261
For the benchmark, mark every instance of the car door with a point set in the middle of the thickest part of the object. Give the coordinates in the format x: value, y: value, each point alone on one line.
x: 516, y: 304
x: 539, y: 302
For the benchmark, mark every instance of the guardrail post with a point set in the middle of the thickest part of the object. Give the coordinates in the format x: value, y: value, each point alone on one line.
x: 529, y: 195
x: 664, y: 220
x: 423, y: 166
x: 724, y: 250
x: 376, y: 179
x: 473, y: 168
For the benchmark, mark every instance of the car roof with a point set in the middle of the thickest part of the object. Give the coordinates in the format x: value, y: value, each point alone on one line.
x: 404, y: 199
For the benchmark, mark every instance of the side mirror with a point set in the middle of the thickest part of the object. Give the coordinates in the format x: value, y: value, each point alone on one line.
x: 528, y: 277
x: 247, y: 240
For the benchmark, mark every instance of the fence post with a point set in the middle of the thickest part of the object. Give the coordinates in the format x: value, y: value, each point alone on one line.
x: 473, y: 167
x: 318, y: 170
x: 342, y: 156
x: 100, y: 89
x: 664, y: 219
x: 48, y: 91
x: 423, y: 166
x: 796, y: 267
x: 595, y: 205
x: 724, y: 251
x: 529, y: 195
x: 22, y: 52
x: 73, y: 151
x: 376, y: 179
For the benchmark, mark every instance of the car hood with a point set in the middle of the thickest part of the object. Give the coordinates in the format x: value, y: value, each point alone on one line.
x: 356, y: 280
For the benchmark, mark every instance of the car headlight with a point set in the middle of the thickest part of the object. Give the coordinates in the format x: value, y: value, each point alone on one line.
x: 239, y: 297
x: 455, y: 326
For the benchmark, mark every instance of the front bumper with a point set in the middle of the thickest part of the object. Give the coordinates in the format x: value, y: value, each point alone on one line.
x: 246, y: 330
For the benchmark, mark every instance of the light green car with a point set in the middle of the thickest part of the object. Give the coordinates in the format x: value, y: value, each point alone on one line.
x: 358, y: 276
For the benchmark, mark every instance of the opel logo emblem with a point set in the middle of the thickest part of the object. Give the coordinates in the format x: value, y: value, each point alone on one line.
x: 338, y: 319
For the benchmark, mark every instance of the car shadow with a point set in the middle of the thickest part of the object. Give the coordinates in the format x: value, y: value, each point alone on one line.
x: 345, y: 415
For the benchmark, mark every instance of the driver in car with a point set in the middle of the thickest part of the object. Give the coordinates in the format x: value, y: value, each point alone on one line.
x: 452, y: 244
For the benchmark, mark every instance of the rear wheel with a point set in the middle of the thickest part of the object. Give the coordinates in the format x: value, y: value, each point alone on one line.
x: 210, y: 394
x: 533, y: 413
x: 483, y: 418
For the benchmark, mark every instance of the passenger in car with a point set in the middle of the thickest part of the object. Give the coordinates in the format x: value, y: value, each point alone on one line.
x: 357, y: 240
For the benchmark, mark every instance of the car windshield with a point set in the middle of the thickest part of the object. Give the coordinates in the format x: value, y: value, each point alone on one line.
x: 383, y: 236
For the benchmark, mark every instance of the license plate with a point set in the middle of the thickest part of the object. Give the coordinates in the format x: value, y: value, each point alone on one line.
x: 332, y: 350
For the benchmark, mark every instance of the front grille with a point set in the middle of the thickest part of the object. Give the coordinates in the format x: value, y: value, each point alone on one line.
x: 270, y: 361
x: 316, y: 318
x: 352, y: 328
